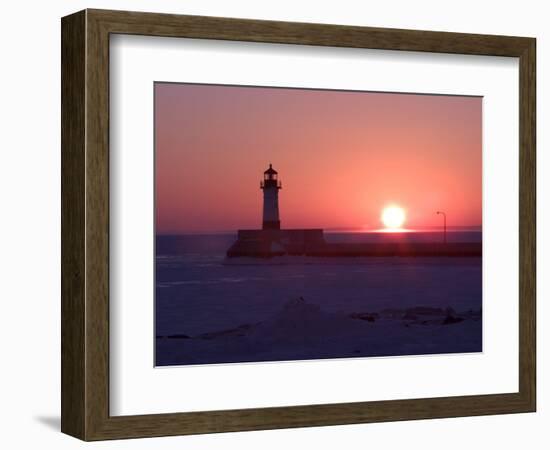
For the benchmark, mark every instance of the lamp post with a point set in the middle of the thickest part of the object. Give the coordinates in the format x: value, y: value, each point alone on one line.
x: 444, y: 226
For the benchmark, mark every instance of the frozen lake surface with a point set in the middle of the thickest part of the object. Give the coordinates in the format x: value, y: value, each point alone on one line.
x: 212, y: 310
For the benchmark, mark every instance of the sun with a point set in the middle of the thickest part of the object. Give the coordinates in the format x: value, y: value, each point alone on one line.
x: 393, y: 217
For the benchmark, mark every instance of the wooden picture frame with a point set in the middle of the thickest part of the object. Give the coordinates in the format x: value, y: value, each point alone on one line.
x: 85, y: 224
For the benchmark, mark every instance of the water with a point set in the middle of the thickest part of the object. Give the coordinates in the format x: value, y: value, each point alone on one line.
x: 198, y: 292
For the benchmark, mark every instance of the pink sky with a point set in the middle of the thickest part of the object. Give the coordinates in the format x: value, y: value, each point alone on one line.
x: 341, y: 156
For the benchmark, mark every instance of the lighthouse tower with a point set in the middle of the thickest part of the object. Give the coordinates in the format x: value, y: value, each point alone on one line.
x: 271, y: 240
x: 270, y: 185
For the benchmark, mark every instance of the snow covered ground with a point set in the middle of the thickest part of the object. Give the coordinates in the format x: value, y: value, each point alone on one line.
x: 210, y: 310
x: 301, y: 330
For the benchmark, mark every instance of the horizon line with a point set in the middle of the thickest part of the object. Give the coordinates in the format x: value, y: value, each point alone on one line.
x: 331, y: 229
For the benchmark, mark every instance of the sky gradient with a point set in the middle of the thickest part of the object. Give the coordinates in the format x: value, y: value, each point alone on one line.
x: 341, y: 156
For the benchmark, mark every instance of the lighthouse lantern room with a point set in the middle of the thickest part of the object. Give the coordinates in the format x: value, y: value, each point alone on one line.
x: 270, y: 185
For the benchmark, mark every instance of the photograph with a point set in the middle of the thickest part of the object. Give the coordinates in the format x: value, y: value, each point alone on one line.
x: 300, y: 224
x: 237, y: 225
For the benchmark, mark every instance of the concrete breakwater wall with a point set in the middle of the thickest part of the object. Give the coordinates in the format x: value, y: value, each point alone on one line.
x: 399, y: 249
x: 270, y: 243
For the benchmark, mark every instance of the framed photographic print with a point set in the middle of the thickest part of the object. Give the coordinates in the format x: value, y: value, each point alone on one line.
x: 272, y: 224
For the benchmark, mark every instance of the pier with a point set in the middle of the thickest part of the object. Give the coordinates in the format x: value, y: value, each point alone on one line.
x: 311, y: 242
x: 272, y: 241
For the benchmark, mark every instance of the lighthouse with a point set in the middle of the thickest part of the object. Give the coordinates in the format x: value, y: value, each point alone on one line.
x: 271, y: 240
x: 270, y: 185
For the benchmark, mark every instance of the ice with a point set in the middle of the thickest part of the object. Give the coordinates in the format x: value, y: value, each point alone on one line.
x: 288, y: 308
x: 302, y: 330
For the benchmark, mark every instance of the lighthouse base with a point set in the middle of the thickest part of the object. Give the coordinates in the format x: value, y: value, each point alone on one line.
x: 271, y: 225
x: 266, y: 243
